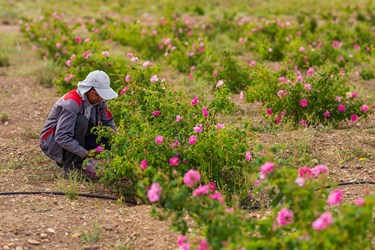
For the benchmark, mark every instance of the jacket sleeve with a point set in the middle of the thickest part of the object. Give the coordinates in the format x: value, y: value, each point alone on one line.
x: 106, y: 116
x: 65, y: 131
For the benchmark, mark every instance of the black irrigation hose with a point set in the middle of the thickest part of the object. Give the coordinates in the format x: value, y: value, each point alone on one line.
x: 135, y: 203
x: 352, y: 183
x: 61, y: 193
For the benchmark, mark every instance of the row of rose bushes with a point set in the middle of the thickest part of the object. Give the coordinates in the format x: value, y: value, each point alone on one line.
x: 169, y: 143
x: 281, y: 91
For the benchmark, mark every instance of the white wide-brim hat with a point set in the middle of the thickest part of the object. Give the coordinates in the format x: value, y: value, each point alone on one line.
x: 100, y: 81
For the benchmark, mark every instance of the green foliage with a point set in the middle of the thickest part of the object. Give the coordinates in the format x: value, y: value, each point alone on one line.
x: 324, y: 91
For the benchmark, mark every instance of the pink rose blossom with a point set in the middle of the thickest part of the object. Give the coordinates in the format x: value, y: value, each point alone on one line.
x: 335, y: 197
x: 58, y: 45
x: 154, y: 78
x: 174, y: 144
x: 77, y: 39
x: 248, y: 156
x: 123, y: 91
x: 105, y: 53
x: 211, y: 186
x: 198, y: 128
x: 154, y: 192
x: 323, y: 221
x: 269, y: 111
x: 341, y: 108
x: 190, y: 75
x: 359, y: 202
x: 194, y: 101
x: 147, y: 64
x: 280, y: 93
x: 327, y: 114
x: 174, y: 161
x: 285, y: 217
x: 304, y: 172
x: 99, y: 149
x: 191, y: 178
x: 267, y: 167
x: 241, y: 95
x: 219, y: 83
x: 134, y: 59
x: 205, y: 112
x: 159, y: 139
x: 353, y: 117
x: 335, y: 44
x: 253, y: 63
x: 319, y: 169
x: 215, y: 73
x: 303, y: 122
x: 203, y: 245
x: 356, y: 47
x: 129, y: 54
x: 300, y: 181
x: 364, y: 108
x: 178, y: 118
x: 201, y: 190
x: 155, y: 113
x: 304, y: 103
x: 183, y: 242
x: 310, y: 71
x: 144, y: 164
x: 307, y: 87
x: 127, y: 78
x: 219, y: 126
x: 192, y: 140
x: 68, y: 63
x: 87, y: 54
x: 217, y: 196
x: 338, y: 99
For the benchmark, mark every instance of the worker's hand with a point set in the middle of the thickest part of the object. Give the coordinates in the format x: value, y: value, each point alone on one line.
x: 91, y: 154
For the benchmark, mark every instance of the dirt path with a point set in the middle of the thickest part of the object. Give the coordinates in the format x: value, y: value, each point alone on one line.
x: 56, y: 222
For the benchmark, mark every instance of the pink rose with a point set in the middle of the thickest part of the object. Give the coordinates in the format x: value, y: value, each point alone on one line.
x: 335, y: 197
x: 217, y: 196
x: 304, y: 103
x: 201, y: 190
x: 191, y: 177
x: 192, y: 140
x: 285, y: 217
x: 174, y: 161
x: 155, y: 113
x: 194, y: 101
x: 341, y: 108
x: 304, y: 172
x: 323, y: 221
x: 248, y: 156
x: 205, y: 112
x: 144, y: 164
x: 267, y: 167
x: 212, y: 186
x: 319, y: 169
x: 154, y: 192
x: 159, y: 139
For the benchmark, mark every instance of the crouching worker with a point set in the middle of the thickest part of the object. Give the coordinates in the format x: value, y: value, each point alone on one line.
x: 66, y: 136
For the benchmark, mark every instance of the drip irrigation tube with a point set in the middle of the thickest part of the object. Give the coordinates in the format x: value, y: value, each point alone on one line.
x: 351, y: 183
x: 61, y: 193
x: 136, y: 203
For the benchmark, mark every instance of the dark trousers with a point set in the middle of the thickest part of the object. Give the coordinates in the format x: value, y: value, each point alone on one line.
x: 87, y: 140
